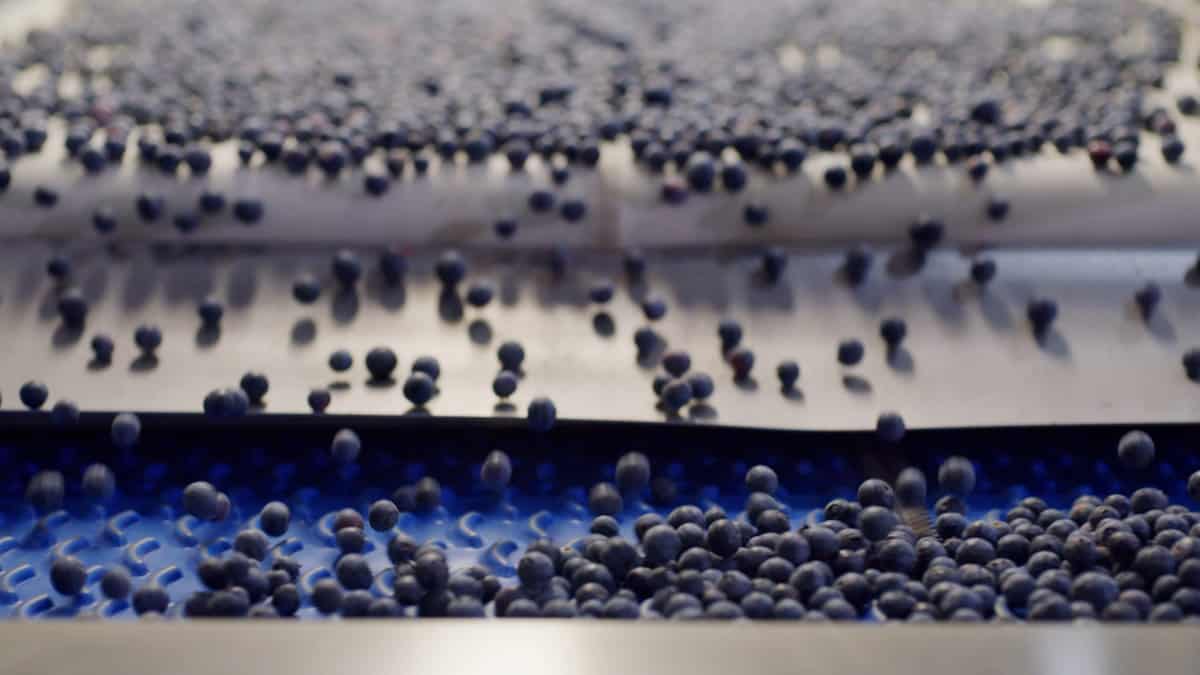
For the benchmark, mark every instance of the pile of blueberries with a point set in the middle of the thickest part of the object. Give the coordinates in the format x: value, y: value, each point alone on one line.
x: 400, y: 84
x: 882, y: 556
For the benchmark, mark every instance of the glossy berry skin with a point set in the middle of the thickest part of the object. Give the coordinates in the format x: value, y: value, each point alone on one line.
x: 33, y: 395
x: 125, y: 431
x: 850, y: 352
x: 116, y: 584
x: 450, y: 268
x: 890, y: 427
x: 419, y: 388
x: 702, y: 386
x: 381, y: 361
x: 541, y: 414
x: 505, y: 384
x: 99, y: 484
x: 147, y: 337
x: 511, y: 355
x: 68, y: 575
x: 654, y: 308
x: 340, y: 361
x: 1136, y: 450
x: 676, y: 394
x: 956, y: 475
x: 787, y: 372
x: 306, y: 289
x: 319, y: 399
x: 346, y: 446
x: 256, y: 386
x: 275, y: 518
x: 347, y: 268
x: 201, y: 500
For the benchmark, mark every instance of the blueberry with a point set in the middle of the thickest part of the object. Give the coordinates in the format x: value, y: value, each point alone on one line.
x: 956, y: 475
x: 116, y: 583
x: 661, y: 544
x: 251, y: 543
x: 604, y: 499
x: 511, y: 355
x: 541, y: 414
x: 1136, y: 450
x: 353, y: 572
x: 347, y: 267
x: 926, y: 233
x: 319, y: 399
x: 654, y: 308
x: 45, y: 197
x: 983, y: 271
x: 890, y: 427
x: 33, y: 394
x: 68, y: 575
x: 341, y: 361
x: 104, y: 220
x: 774, y: 262
x: 505, y: 228
x: 997, y: 208
x: 125, y: 430
x: 255, y: 385
x: 788, y: 372
x: 573, y: 210
x: 147, y: 337
x: 392, y: 267
x: 345, y: 447
x: 327, y: 596
x: 210, y: 310
x: 676, y: 394
x: 742, y: 360
x: 401, y: 548
x: 351, y: 540
x: 99, y: 483
x: 381, y: 361
x: 850, y: 352
x: 857, y: 266
x: 150, y: 598
x: 730, y: 334
x: 601, y: 292
x: 376, y: 184
x: 977, y: 168
x: 893, y: 331
x: 480, y: 294
x: 201, y: 500
x: 1191, y: 364
x: 835, y: 177
x: 754, y: 214
x: 1172, y: 149
x: 211, y: 202
x: 248, y: 211
x: 1148, y: 298
x: 541, y: 201
x: 1041, y: 314
x: 676, y: 363
x: 150, y: 207
x: 702, y: 386
x: 419, y: 389
x: 428, y: 494
x: 505, y: 384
